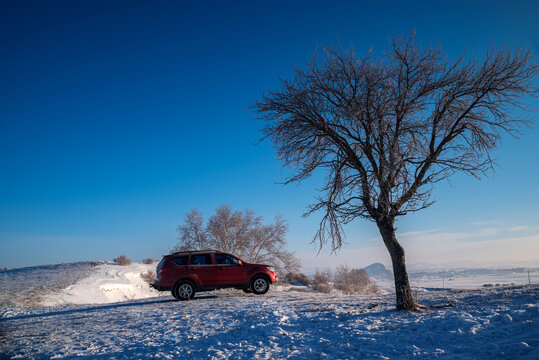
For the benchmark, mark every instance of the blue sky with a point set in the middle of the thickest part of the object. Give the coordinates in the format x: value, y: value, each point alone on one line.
x: 117, y: 117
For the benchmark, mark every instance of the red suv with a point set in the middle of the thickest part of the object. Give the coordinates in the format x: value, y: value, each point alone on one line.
x: 184, y: 273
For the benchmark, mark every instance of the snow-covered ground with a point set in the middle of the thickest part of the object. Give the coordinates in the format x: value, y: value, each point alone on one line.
x: 487, y: 323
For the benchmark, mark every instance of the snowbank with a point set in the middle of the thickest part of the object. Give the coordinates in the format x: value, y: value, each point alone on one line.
x: 108, y: 283
x: 27, y: 286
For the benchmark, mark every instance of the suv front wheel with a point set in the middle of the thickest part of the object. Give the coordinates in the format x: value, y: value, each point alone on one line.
x: 259, y: 285
x: 184, y: 290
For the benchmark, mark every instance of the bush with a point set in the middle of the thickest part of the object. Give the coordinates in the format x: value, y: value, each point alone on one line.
x: 353, y: 282
x: 148, y: 276
x: 297, y: 278
x: 122, y: 260
x: 321, y: 280
x: 147, y: 261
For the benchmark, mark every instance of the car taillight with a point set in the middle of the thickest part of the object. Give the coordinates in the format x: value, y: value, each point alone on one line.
x: 160, y: 273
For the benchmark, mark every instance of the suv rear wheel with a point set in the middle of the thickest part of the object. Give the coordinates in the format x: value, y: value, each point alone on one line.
x: 184, y: 290
x: 259, y: 285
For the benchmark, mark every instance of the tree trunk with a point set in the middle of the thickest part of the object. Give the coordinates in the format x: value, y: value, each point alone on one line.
x: 405, y: 300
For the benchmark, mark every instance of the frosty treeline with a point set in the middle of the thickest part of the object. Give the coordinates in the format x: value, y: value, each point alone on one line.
x: 241, y: 233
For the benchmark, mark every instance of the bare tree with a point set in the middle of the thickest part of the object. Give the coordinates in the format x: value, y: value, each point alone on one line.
x: 240, y: 233
x: 386, y: 129
x: 191, y: 233
x: 225, y: 229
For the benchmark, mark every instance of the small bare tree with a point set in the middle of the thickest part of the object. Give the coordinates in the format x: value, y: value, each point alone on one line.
x: 321, y: 281
x: 192, y: 234
x: 267, y: 244
x: 241, y: 233
x: 386, y: 129
x: 229, y: 230
x: 354, y: 281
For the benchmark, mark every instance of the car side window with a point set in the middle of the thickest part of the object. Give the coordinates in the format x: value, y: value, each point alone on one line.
x: 204, y: 259
x: 223, y: 259
x: 180, y: 260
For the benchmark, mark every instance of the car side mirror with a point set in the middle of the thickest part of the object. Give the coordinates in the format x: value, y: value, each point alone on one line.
x: 240, y: 262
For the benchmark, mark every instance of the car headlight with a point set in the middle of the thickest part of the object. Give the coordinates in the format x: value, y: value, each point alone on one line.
x: 271, y: 268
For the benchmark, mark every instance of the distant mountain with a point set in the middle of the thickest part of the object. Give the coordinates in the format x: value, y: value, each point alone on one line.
x: 379, y: 271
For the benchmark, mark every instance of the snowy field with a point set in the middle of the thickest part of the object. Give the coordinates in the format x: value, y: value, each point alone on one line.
x: 466, y: 279
x: 489, y: 323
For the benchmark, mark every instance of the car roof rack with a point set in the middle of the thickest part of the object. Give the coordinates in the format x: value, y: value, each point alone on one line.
x: 194, y: 251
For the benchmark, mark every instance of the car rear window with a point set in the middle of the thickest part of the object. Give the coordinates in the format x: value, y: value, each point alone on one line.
x: 204, y: 259
x: 161, y: 263
x: 180, y: 260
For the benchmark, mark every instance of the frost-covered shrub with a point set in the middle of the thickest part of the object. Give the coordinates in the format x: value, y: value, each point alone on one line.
x: 122, y: 260
x: 297, y: 278
x: 148, y: 276
x: 321, y: 281
x: 354, y: 281
x: 147, y: 261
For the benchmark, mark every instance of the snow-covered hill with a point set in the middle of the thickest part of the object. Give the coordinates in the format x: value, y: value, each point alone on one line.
x: 75, y: 283
x: 27, y: 286
x: 378, y: 271
x: 109, y: 283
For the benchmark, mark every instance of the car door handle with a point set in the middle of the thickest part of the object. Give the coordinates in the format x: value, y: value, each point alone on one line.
x: 223, y: 267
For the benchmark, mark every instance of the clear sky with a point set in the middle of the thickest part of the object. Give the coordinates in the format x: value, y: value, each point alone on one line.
x: 117, y: 117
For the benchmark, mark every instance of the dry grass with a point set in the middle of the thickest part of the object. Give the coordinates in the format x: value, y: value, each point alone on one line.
x: 321, y: 281
x: 122, y: 260
x: 297, y: 278
x: 148, y: 276
x: 147, y: 261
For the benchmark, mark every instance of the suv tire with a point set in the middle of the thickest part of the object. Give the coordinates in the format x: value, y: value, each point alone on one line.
x: 259, y: 285
x: 184, y: 290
